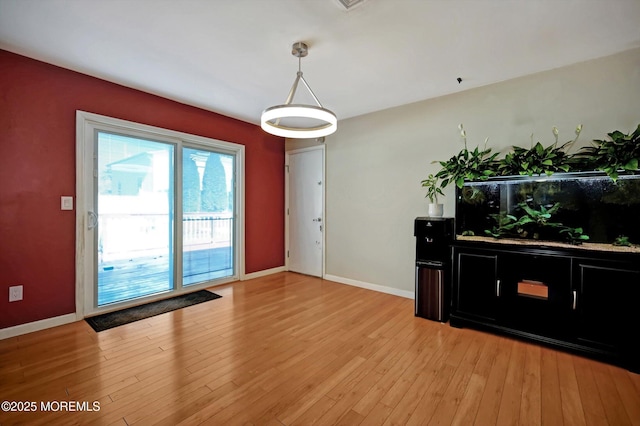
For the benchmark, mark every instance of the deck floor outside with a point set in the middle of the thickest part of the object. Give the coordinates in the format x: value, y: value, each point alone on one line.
x: 128, y: 279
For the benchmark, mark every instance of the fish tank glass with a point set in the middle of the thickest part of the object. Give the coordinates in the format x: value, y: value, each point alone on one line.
x: 586, y: 207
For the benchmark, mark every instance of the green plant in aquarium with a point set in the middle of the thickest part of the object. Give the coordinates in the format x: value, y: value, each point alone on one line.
x: 539, y: 217
x: 527, y: 226
x: 622, y: 240
x: 620, y: 153
x: 538, y: 160
x: 531, y: 223
x: 467, y: 165
x: 505, y: 226
x: 574, y: 235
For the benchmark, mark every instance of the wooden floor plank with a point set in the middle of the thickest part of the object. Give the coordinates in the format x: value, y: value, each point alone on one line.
x: 314, y: 412
x: 289, y: 349
x: 377, y: 415
x: 572, y: 409
x: 611, y: 400
x: 509, y: 413
x: 468, y: 407
x: 551, y: 401
x: 451, y: 399
x: 492, y: 396
x: 589, y: 393
x: 629, y: 395
x: 530, y: 404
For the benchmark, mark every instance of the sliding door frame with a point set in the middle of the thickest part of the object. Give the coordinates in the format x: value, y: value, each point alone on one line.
x: 87, y: 124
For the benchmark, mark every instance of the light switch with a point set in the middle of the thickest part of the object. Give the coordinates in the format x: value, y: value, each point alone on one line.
x: 66, y: 203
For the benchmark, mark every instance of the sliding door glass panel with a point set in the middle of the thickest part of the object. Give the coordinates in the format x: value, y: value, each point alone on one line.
x: 134, y: 206
x: 208, y: 215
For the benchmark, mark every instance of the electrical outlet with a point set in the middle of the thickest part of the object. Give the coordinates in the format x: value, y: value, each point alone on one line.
x: 15, y: 293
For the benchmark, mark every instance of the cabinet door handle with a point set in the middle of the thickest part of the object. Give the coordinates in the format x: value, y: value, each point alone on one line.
x: 575, y: 300
x: 497, y: 288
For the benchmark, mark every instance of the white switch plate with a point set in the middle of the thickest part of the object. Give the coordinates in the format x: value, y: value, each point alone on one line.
x: 66, y: 203
x: 15, y: 293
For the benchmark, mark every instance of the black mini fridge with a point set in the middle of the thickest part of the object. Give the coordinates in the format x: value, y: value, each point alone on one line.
x: 434, y: 237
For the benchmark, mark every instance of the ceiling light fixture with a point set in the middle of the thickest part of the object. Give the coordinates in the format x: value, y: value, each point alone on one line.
x: 299, y: 121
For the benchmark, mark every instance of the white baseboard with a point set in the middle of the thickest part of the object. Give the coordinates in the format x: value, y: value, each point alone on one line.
x: 30, y: 327
x: 369, y: 286
x: 263, y: 273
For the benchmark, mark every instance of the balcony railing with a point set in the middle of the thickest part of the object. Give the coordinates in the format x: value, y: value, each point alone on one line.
x: 123, y: 236
x: 134, y: 256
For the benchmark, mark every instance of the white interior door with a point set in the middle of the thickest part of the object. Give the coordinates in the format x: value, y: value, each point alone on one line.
x: 306, y: 210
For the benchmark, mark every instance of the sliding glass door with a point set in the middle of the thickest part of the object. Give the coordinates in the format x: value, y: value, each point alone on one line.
x: 134, y: 209
x: 207, y: 218
x: 161, y: 212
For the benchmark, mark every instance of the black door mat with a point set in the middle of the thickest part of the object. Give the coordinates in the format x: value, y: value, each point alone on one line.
x: 126, y: 316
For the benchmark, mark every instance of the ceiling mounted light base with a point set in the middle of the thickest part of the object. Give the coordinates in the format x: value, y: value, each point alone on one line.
x: 350, y: 4
x: 299, y: 121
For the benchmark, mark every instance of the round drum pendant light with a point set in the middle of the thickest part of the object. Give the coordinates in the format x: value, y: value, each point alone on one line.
x: 299, y: 121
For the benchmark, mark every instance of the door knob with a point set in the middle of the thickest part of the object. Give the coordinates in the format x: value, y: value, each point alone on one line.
x: 318, y: 219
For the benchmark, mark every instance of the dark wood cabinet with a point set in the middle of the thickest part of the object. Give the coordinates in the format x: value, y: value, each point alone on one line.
x: 606, y: 305
x: 476, y: 294
x: 576, y: 299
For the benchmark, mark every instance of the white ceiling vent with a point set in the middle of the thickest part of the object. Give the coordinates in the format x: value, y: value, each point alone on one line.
x: 350, y: 4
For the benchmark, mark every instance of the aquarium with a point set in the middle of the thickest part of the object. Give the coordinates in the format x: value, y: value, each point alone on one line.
x: 576, y: 208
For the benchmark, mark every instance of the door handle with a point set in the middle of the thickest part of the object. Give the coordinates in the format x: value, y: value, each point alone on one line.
x: 575, y: 300
x: 497, y: 288
x: 318, y: 219
x: 92, y: 220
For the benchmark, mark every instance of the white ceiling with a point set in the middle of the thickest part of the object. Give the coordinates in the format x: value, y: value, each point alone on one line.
x: 234, y: 56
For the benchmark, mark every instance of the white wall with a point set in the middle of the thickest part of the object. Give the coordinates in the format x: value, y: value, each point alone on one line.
x: 375, y: 162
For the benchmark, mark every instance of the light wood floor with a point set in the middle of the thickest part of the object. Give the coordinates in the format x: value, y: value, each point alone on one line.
x: 289, y: 349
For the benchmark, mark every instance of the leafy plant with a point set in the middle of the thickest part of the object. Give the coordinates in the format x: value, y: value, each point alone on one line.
x: 622, y: 240
x: 574, y: 235
x: 528, y: 224
x: 505, y: 226
x: 540, y: 218
x: 531, y: 223
x: 622, y: 152
x: 538, y: 160
x: 467, y: 165
x: 433, y: 190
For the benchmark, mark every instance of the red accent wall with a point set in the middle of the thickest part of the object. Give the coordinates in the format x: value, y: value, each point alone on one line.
x: 38, y: 103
